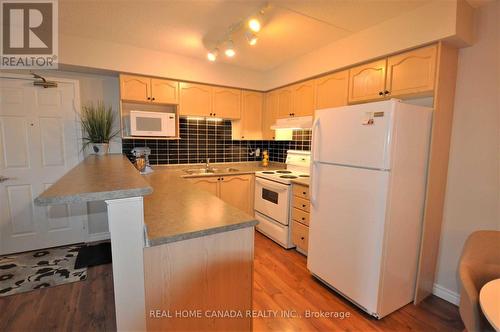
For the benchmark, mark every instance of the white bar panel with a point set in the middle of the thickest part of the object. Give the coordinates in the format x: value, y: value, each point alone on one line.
x: 126, y: 226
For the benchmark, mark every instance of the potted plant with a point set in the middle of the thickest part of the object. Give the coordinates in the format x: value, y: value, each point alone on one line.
x: 97, y: 125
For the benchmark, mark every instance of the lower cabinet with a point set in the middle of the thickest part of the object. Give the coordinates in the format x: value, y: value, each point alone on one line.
x: 300, y: 217
x: 236, y: 190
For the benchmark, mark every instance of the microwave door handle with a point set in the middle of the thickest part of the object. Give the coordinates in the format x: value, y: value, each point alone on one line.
x: 268, y: 184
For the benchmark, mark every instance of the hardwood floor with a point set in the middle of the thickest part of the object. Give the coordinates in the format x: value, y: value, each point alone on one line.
x: 282, y: 285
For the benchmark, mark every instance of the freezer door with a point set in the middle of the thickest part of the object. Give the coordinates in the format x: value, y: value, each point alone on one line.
x: 356, y: 135
x: 346, y: 230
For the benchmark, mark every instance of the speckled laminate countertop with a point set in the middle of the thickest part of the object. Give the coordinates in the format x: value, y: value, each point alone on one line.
x: 96, y: 178
x: 177, y: 210
x: 174, y: 209
x: 302, y: 181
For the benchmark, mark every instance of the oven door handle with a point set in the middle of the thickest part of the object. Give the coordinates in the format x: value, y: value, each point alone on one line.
x: 269, y: 184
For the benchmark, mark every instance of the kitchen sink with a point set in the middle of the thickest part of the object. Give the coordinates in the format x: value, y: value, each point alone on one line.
x: 193, y: 171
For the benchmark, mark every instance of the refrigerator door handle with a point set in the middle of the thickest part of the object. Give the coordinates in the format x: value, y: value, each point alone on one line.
x: 316, y: 130
x: 314, y: 156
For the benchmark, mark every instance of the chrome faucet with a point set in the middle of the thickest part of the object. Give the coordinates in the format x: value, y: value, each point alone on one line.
x: 207, y: 165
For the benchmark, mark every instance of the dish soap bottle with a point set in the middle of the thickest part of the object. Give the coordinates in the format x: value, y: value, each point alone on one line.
x: 265, y: 158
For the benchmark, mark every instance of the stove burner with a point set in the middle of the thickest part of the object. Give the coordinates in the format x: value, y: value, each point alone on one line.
x: 284, y: 172
x: 267, y: 172
x: 288, y: 176
x: 304, y: 176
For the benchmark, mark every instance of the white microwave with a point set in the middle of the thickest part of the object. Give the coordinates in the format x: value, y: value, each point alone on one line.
x: 152, y: 123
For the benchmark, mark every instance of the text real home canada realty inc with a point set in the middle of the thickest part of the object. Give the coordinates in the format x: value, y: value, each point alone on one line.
x: 248, y: 313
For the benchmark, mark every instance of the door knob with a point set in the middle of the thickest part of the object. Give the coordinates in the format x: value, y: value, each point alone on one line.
x: 3, y: 178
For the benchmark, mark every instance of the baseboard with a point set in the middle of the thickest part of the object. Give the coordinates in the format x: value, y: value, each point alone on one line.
x: 99, y: 237
x: 446, y: 294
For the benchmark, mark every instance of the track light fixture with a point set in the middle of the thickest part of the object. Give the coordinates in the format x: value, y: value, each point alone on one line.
x: 250, y: 26
x: 251, y: 38
x: 230, y: 52
x: 212, y: 55
x: 254, y: 25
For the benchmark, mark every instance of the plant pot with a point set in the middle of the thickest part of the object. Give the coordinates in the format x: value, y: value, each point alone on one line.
x: 99, y: 149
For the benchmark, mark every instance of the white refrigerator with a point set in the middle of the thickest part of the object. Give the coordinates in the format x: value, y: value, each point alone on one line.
x: 368, y: 180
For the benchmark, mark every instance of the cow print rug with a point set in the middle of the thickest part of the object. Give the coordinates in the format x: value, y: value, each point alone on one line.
x: 39, y: 269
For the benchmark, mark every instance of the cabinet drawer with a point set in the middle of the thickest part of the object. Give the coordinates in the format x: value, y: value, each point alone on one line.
x: 301, y: 203
x: 300, y: 236
x: 301, y: 191
x: 300, y: 216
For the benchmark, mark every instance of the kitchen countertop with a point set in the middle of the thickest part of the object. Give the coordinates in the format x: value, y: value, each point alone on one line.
x: 302, y: 181
x: 96, y: 178
x: 177, y: 210
x: 174, y: 209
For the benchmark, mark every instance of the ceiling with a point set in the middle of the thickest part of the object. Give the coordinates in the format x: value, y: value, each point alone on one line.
x: 189, y: 27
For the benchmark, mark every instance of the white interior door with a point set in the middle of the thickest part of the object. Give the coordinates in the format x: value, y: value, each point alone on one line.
x: 38, y: 144
x: 346, y: 229
x: 356, y: 135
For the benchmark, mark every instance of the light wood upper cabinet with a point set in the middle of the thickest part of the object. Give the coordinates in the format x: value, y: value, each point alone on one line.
x: 135, y: 88
x: 331, y: 90
x: 284, y: 102
x: 303, y: 98
x: 226, y: 103
x: 270, y: 114
x: 210, y: 184
x: 367, y: 82
x: 195, y: 99
x: 150, y: 90
x: 237, y: 190
x: 250, y: 125
x: 164, y: 91
x: 412, y: 72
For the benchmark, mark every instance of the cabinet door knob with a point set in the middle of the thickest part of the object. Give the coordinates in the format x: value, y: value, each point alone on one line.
x: 242, y: 136
x: 303, y: 218
x: 149, y: 98
x: 303, y: 205
x: 386, y: 92
x: 380, y: 93
x: 302, y: 238
x: 303, y: 193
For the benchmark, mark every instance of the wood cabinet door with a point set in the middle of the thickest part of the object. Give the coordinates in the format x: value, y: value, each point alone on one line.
x: 195, y: 99
x: 284, y: 103
x: 227, y: 103
x: 367, y: 82
x: 210, y: 184
x: 303, y: 98
x: 413, y: 72
x: 251, y: 115
x: 270, y: 114
x: 300, y: 236
x: 135, y: 88
x: 164, y: 91
x: 237, y: 190
x: 331, y: 90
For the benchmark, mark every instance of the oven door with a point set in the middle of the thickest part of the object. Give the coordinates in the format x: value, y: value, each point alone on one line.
x: 272, y: 199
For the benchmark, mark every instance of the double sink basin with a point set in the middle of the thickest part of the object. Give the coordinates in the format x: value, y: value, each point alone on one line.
x: 211, y: 170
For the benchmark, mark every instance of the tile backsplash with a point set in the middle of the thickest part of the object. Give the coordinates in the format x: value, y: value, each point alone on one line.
x: 202, y: 139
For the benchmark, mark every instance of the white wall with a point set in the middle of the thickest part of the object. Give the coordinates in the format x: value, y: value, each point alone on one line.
x: 472, y: 195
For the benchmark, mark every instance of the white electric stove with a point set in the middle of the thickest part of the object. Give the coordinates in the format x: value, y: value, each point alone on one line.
x: 273, y: 196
